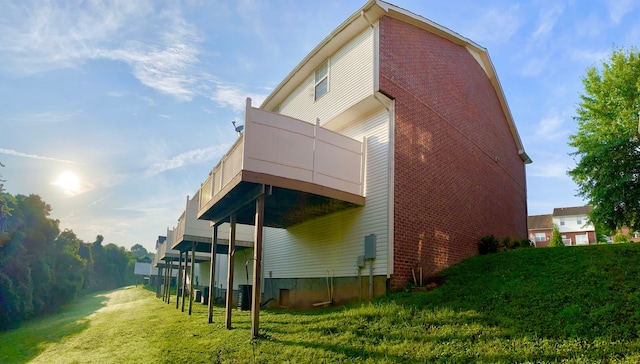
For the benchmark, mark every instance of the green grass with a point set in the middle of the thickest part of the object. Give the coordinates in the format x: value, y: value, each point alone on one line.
x: 574, y: 305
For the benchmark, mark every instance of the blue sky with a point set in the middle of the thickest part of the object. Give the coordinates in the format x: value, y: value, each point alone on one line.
x: 131, y: 102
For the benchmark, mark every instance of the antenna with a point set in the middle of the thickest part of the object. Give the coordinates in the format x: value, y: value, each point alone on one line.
x: 238, y: 128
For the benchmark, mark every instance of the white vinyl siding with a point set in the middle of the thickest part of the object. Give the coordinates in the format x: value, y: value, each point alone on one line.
x: 333, y: 242
x: 350, y: 72
x: 241, y: 257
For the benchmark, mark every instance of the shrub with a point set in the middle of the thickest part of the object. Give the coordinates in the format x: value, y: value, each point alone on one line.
x: 621, y: 238
x: 523, y: 243
x: 508, y: 243
x: 488, y: 244
x: 556, y: 238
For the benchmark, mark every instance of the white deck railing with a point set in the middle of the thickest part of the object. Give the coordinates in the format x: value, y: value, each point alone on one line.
x: 282, y: 146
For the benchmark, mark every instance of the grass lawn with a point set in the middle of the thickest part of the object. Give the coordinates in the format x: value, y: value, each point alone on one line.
x: 574, y: 305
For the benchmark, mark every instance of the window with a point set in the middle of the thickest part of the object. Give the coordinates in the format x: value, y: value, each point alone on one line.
x: 541, y: 237
x: 579, y: 221
x: 322, y: 80
x: 562, y: 221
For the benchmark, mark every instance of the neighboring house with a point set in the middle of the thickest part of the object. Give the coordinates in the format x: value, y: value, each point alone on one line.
x: 572, y: 222
x: 574, y: 225
x: 540, y: 229
x: 388, y: 151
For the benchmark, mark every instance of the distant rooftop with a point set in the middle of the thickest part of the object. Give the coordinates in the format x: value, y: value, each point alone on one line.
x: 572, y: 211
x: 540, y: 222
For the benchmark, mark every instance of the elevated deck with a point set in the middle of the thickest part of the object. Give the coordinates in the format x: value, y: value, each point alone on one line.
x: 305, y: 171
x: 191, y: 231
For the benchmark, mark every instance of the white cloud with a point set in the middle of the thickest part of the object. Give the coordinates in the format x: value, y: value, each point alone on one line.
x: 34, y: 156
x: 233, y: 96
x: 619, y: 8
x: 548, y: 19
x: 45, y: 36
x: 551, y: 127
x: 188, y: 158
x: 551, y: 169
x: 496, y: 25
x: 45, y: 117
x: 588, y: 56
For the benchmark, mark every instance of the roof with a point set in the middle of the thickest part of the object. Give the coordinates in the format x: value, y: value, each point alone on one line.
x: 540, y: 222
x: 365, y: 17
x: 572, y: 211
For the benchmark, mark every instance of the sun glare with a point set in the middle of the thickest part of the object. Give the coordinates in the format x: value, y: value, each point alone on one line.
x: 69, y: 182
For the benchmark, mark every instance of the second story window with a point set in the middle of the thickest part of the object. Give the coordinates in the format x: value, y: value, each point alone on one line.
x: 322, y: 80
x: 579, y: 221
x: 562, y: 221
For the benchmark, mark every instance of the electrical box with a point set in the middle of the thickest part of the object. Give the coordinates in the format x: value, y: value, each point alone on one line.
x: 360, y: 263
x: 370, y: 246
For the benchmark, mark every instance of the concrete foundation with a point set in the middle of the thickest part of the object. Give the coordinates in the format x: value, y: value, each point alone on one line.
x: 305, y: 292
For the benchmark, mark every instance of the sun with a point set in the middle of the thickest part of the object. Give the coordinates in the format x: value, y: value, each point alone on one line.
x: 69, y: 182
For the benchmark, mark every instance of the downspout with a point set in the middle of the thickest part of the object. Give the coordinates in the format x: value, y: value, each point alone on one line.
x: 390, y: 153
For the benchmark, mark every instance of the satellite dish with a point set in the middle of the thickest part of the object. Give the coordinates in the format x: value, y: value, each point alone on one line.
x: 238, y: 128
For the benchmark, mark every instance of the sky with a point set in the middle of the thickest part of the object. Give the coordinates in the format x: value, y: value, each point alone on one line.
x: 115, y: 111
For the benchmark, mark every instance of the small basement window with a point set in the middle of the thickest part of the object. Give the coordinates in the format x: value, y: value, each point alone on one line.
x: 322, y: 80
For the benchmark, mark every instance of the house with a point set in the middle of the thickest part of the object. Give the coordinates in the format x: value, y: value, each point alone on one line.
x: 162, y: 267
x: 574, y: 225
x: 540, y: 229
x: 389, y: 150
x: 572, y: 222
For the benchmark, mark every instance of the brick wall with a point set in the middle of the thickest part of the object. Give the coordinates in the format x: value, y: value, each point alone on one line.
x: 458, y: 175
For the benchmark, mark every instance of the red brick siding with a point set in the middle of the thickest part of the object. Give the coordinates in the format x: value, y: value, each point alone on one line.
x: 450, y: 189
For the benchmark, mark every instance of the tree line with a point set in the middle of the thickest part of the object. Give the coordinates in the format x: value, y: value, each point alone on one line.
x: 42, y: 268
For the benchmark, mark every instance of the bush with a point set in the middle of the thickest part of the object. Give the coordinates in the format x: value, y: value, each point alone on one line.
x: 508, y: 243
x: 488, y: 244
x: 523, y: 243
x: 556, y: 238
x: 621, y: 238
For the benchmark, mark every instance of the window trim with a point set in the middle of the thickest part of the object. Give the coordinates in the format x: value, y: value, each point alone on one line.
x: 317, y: 82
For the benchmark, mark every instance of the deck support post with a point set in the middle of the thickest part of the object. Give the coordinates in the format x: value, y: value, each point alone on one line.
x: 232, y: 247
x: 158, y: 280
x: 257, y: 267
x: 178, y: 280
x: 169, y: 282
x: 184, y: 278
x: 164, y: 282
x: 212, y: 272
x: 193, y: 262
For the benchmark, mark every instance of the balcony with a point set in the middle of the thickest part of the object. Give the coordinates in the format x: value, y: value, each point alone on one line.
x: 190, y: 231
x: 305, y: 171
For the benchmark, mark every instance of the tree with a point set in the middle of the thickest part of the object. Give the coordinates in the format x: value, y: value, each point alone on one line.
x: 556, y: 238
x: 139, y: 251
x: 607, y: 141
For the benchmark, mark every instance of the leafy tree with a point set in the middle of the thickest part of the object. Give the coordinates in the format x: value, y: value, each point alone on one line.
x: 68, y: 268
x: 607, y: 141
x: 556, y: 238
x: 139, y: 251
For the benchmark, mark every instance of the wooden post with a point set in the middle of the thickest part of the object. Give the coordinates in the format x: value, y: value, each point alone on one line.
x: 169, y: 283
x: 164, y: 282
x: 257, y: 268
x: 178, y: 279
x: 184, y: 279
x: 232, y: 247
x: 212, y: 272
x: 158, y: 280
x: 193, y: 262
